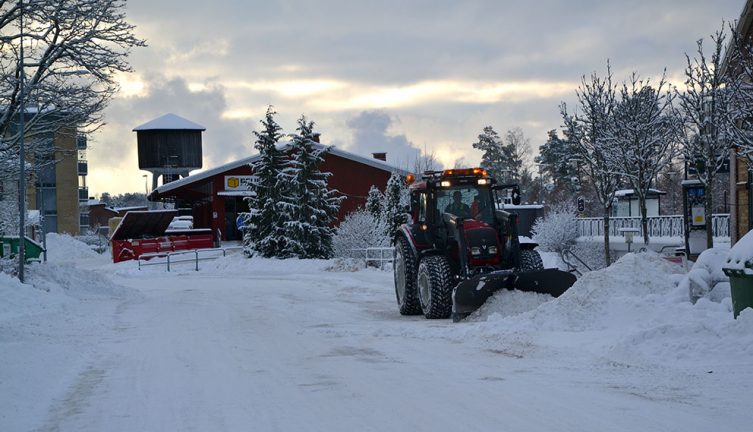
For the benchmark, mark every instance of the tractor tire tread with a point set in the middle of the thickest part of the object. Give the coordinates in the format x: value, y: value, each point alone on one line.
x: 439, y: 275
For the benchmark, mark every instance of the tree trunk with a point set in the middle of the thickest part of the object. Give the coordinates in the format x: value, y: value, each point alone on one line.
x: 708, y: 206
x: 644, y: 219
x: 709, y: 218
x: 607, y: 256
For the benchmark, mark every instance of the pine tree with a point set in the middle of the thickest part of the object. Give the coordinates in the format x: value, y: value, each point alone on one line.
x: 263, y: 222
x: 554, y: 159
x: 395, y: 199
x: 374, y: 202
x: 309, y: 206
x: 493, y: 157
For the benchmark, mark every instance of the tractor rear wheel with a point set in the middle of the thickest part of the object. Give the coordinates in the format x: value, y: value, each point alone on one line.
x: 435, y: 287
x: 404, y: 269
x: 530, y: 260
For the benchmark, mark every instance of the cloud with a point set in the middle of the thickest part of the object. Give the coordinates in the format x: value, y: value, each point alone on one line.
x: 113, y: 150
x: 392, y: 75
x: 371, y: 134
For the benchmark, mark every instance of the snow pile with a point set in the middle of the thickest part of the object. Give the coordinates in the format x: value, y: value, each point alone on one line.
x: 741, y: 253
x: 19, y: 299
x: 706, y: 278
x: 76, y: 282
x: 62, y: 247
x: 632, y: 311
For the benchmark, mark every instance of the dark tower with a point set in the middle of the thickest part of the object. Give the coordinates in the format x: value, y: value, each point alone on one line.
x: 169, y: 146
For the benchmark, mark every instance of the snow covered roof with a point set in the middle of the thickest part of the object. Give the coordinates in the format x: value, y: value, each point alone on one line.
x: 122, y: 209
x: 169, y: 121
x: 631, y: 192
x: 283, y: 146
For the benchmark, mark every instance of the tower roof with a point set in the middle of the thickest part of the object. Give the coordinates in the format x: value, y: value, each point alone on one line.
x: 169, y: 121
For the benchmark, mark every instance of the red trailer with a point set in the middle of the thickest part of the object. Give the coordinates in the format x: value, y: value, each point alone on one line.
x: 143, y: 232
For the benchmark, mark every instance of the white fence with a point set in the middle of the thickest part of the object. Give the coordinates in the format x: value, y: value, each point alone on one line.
x: 378, y: 255
x: 183, y: 256
x: 658, y: 226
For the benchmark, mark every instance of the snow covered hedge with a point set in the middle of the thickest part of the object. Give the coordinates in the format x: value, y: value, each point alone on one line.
x: 360, y: 229
x: 557, y: 231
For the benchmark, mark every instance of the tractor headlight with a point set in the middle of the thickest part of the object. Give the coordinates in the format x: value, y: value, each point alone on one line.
x: 483, y: 181
x: 475, y: 250
x: 493, y: 250
x: 445, y: 183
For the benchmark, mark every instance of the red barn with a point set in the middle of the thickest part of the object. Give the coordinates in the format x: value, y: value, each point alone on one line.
x: 215, y: 196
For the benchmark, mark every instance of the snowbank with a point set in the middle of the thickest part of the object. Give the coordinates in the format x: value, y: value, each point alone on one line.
x: 62, y: 247
x: 741, y: 253
x: 706, y: 278
x: 632, y: 311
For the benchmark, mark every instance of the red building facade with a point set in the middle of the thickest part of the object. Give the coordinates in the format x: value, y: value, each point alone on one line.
x: 216, y: 196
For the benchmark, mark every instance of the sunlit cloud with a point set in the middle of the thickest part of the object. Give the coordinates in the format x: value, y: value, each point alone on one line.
x: 131, y: 85
x: 334, y: 95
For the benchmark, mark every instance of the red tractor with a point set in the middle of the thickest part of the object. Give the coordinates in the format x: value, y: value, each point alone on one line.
x: 459, y: 247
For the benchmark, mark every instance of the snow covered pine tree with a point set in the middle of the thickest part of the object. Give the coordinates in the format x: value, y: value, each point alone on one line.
x: 307, y: 204
x: 264, y: 230
x: 395, y: 200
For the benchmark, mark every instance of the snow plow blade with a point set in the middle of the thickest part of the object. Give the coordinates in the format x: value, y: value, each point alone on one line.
x: 469, y: 295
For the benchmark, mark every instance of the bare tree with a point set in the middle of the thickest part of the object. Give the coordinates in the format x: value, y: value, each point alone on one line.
x: 642, y: 135
x: 425, y: 161
x: 72, y: 51
x: 708, y: 115
x: 587, y: 128
x: 517, y: 154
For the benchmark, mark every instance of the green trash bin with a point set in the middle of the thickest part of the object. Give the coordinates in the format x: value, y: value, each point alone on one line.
x: 741, y: 288
x: 9, y: 248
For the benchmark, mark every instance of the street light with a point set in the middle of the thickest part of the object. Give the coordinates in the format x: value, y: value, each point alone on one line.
x: 21, y: 153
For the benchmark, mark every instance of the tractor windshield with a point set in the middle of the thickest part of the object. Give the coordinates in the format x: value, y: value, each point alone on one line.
x: 467, y: 202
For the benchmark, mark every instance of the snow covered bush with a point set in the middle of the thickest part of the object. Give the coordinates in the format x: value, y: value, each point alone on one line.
x: 360, y: 229
x: 557, y: 231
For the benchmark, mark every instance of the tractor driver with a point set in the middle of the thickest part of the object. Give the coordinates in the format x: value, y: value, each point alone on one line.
x: 457, y: 207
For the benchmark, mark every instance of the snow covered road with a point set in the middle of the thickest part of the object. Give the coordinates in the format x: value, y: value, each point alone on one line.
x: 286, y: 346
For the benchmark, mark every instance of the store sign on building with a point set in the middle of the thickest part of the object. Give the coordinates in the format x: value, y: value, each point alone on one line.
x: 239, y: 182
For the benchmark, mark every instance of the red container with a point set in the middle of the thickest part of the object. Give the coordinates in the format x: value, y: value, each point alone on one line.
x: 142, y: 232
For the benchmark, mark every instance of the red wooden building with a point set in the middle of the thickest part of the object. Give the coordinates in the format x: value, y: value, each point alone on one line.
x: 215, y: 196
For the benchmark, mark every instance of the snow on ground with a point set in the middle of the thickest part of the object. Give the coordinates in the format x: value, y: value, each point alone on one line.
x: 257, y: 344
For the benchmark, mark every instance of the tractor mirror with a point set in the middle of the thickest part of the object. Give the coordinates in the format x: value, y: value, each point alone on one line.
x: 516, y: 195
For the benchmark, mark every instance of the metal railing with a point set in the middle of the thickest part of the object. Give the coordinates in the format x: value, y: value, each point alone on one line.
x: 146, y: 258
x: 571, y: 267
x: 378, y: 255
x: 658, y: 226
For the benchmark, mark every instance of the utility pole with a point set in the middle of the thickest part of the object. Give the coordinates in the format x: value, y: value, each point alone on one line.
x: 21, y: 155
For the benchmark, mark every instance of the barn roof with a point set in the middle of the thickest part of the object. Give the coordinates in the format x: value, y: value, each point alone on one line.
x: 375, y: 163
x: 169, y: 121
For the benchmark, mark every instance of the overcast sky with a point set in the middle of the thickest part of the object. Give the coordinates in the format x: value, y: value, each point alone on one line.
x: 394, y: 76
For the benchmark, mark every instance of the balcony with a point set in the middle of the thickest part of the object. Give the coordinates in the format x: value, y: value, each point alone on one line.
x: 83, y: 194
x: 83, y: 168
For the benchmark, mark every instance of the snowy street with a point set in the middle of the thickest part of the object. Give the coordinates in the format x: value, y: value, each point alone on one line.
x: 292, y: 345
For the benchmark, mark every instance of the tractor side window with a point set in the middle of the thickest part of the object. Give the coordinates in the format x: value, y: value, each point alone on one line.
x: 422, y: 208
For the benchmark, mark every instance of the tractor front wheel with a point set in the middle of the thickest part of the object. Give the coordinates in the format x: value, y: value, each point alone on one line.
x: 435, y: 287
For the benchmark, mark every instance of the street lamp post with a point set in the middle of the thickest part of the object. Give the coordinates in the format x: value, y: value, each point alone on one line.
x: 21, y: 154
